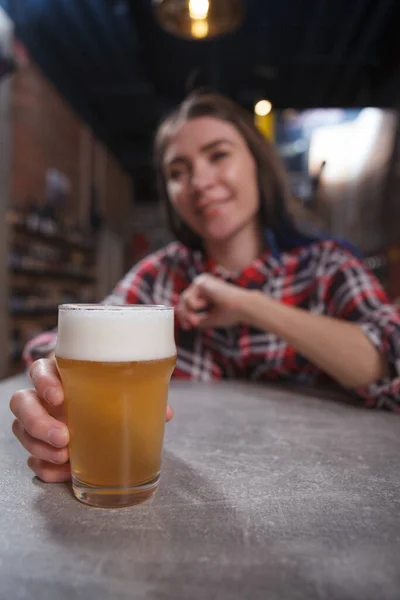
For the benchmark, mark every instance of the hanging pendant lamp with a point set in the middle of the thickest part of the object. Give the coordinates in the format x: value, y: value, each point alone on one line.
x: 199, y: 19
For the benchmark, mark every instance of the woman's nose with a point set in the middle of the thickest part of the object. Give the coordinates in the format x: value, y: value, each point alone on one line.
x: 202, y: 179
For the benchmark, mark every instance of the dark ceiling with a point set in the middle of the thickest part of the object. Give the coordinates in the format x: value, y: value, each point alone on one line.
x: 121, y: 72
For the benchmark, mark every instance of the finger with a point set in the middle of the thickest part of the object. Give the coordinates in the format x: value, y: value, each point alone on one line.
x: 182, y: 316
x: 28, y: 409
x: 210, y: 288
x: 183, y: 322
x: 170, y: 413
x: 193, y: 302
x: 191, y: 321
x: 209, y: 320
x: 48, y: 472
x: 37, y: 448
x: 46, y: 379
x: 195, y: 319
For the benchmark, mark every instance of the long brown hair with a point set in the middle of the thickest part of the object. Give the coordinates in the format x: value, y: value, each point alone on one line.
x: 272, y: 179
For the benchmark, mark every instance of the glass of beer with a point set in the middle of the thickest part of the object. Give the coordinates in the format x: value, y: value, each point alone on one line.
x: 115, y: 364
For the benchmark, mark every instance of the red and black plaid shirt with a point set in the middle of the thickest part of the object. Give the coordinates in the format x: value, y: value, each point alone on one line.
x: 322, y: 277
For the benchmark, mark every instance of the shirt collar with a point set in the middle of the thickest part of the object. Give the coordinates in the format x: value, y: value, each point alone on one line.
x: 204, y: 264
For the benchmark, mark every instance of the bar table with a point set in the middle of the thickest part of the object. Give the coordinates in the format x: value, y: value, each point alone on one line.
x: 266, y: 493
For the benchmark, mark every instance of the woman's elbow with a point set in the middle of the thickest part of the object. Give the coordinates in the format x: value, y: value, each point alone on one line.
x: 366, y: 374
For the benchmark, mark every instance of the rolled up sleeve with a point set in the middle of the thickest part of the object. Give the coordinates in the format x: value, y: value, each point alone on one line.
x: 354, y: 294
x: 383, y: 330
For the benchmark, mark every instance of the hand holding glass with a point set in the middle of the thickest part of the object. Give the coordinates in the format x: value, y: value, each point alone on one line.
x: 115, y: 364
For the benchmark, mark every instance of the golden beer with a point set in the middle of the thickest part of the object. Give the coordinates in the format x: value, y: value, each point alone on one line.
x: 115, y: 364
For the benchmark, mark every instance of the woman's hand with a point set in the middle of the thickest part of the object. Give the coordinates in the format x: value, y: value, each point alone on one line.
x: 40, y: 422
x: 211, y: 302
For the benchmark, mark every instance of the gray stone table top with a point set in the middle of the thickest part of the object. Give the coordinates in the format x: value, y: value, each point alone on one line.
x: 266, y: 494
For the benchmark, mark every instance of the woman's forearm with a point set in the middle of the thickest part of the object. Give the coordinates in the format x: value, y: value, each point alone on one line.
x: 337, y: 347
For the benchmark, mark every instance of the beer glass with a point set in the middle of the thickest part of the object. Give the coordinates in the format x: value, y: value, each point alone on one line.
x: 115, y: 364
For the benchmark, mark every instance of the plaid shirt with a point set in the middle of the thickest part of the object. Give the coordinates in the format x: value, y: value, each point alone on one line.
x: 323, y: 277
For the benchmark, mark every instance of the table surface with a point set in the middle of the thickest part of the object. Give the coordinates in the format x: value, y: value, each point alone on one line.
x: 266, y: 493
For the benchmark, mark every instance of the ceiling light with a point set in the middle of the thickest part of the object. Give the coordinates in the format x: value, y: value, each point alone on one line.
x: 198, y: 9
x: 263, y: 108
x: 199, y: 19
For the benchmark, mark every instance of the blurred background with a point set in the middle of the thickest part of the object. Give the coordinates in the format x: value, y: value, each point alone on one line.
x: 84, y: 83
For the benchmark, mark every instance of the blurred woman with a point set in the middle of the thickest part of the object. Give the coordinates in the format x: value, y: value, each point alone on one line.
x: 255, y: 299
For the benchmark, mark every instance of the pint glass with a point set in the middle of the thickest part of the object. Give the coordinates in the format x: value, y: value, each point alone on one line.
x: 115, y: 364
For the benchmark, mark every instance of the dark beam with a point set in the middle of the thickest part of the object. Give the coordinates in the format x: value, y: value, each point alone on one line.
x: 368, y: 36
x: 81, y: 37
x: 94, y: 19
x: 137, y: 156
x: 350, y: 26
x: 122, y: 89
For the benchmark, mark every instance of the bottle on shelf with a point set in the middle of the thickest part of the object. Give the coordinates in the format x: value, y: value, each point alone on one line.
x: 32, y: 218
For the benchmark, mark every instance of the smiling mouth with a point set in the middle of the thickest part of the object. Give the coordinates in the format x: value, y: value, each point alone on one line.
x: 211, y: 208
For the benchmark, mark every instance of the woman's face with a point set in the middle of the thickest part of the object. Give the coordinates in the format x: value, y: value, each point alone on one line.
x: 211, y: 178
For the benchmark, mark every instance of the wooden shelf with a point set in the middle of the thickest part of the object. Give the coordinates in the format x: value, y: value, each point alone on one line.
x: 53, y: 274
x: 55, y: 240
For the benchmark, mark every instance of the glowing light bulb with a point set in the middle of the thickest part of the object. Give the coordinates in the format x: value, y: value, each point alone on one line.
x: 198, y: 9
x: 263, y: 108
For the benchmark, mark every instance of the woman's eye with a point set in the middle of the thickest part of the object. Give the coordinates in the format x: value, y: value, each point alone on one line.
x: 175, y: 174
x: 217, y: 156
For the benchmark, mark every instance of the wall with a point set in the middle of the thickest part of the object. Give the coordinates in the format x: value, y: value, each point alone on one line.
x: 5, y: 155
x: 115, y: 194
x: 40, y: 131
x: 46, y: 133
x: 392, y: 218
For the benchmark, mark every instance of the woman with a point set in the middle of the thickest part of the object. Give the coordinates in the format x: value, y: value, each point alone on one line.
x: 254, y: 298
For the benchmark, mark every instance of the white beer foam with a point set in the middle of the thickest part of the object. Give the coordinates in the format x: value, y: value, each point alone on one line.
x: 115, y: 333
